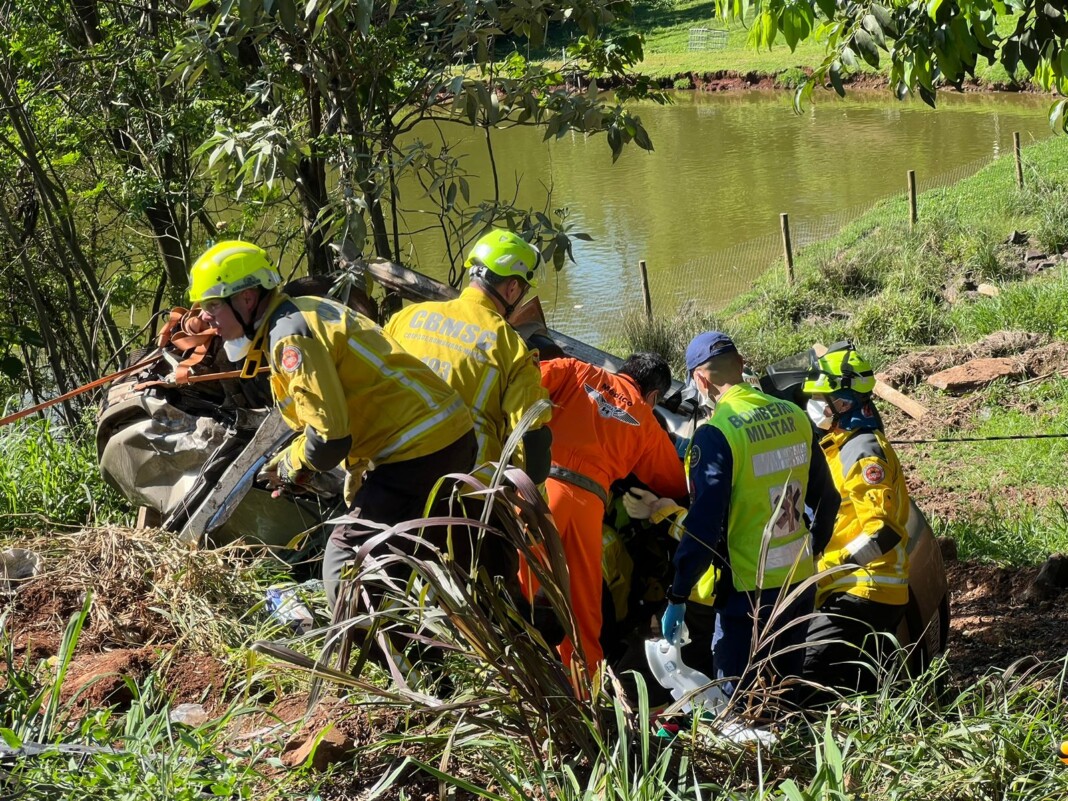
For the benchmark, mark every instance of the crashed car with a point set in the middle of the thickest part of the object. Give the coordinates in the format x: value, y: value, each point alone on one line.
x: 184, y: 438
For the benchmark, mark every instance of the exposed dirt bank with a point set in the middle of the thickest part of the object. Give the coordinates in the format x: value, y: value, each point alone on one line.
x: 733, y: 81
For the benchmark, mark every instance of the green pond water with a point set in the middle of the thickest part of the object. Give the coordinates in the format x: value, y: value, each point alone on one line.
x: 703, y: 209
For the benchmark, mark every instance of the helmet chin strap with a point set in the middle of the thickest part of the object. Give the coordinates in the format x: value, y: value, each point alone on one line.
x: 497, y: 296
x: 247, y: 326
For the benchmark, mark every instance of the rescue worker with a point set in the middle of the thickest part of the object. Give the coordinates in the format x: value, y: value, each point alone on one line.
x: 752, y: 468
x: 356, y: 397
x: 863, y: 599
x: 470, y: 345
x: 603, y: 430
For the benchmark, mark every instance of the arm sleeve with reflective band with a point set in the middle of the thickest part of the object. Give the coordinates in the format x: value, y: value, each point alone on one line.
x: 822, y: 497
x: 711, y: 477
x: 318, y: 398
x: 523, y: 387
x: 874, y: 506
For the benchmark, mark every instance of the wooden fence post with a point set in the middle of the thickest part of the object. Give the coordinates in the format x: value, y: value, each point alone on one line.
x: 1019, y: 159
x: 788, y: 251
x: 646, y: 297
x: 913, y: 216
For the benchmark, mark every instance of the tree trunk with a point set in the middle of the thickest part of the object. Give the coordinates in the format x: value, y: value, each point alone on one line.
x: 311, y: 179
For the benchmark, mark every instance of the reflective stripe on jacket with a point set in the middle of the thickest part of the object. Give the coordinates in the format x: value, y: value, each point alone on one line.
x: 338, y: 379
x: 874, y: 496
x: 471, y: 346
x: 770, y: 443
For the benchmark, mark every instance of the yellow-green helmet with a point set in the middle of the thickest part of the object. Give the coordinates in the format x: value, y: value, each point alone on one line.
x: 840, y: 368
x: 506, y: 254
x: 229, y: 268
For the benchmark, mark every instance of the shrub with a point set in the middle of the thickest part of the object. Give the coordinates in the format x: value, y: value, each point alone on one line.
x: 790, y: 78
x: 667, y: 336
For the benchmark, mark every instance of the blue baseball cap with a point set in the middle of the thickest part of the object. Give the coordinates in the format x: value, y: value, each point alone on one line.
x: 707, y: 346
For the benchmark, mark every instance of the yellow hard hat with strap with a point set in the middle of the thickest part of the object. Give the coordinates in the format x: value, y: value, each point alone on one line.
x: 839, y: 368
x: 231, y: 267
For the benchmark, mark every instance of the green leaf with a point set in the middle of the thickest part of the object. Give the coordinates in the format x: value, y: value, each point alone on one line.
x: 789, y: 29
x: 11, y: 366
x: 642, y: 140
x: 12, y: 739
x: 287, y: 15
x: 1058, y: 116
x: 932, y: 8
x: 31, y: 337
x: 885, y: 19
x: 803, y: 95
x: 866, y: 45
x: 828, y: 7
x: 871, y: 25
x: 364, y: 8
x: 835, y: 74
x: 196, y: 5
x: 849, y: 59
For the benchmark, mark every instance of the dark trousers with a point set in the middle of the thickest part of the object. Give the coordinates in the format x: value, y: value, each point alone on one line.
x: 391, y: 494
x: 848, y: 644
x: 775, y: 655
x: 701, y: 622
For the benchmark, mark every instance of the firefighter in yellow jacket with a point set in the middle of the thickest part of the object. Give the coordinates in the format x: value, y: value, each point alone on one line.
x: 356, y: 397
x: 863, y: 598
x: 469, y: 343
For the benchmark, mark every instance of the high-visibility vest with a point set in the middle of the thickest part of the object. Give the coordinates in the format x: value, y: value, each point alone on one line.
x: 768, y: 542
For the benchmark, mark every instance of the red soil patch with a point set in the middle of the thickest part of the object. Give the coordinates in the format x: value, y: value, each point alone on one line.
x: 98, y: 680
x: 195, y: 678
x: 992, y: 627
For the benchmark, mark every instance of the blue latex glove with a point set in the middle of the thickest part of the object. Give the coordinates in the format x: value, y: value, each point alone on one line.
x: 671, y: 622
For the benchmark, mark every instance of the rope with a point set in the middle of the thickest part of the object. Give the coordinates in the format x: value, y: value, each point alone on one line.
x: 976, y: 439
x: 133, y: 368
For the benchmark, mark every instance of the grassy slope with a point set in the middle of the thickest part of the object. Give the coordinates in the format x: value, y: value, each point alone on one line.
x: 881, y: 285
x: 667, y: 51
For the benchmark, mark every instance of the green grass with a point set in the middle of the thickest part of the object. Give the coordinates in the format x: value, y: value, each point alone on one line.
x: 667, y: 36
x: 666, y: 27
x: 48, y: 475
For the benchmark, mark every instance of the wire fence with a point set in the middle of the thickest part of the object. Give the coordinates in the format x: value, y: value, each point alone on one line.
x: 713, y: 279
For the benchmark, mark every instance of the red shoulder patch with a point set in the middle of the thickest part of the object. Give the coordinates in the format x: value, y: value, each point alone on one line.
x: 874, y: 474
x: 291, y: 358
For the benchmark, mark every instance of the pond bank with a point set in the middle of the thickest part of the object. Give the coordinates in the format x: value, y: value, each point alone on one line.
x: 788, y: 78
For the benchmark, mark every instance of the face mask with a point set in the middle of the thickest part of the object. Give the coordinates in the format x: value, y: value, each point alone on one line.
x: 706, y: 401
x: 237, y: 349
x: 817, y: 413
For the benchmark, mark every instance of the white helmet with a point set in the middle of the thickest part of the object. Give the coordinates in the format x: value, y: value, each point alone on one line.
x: 665, y: 661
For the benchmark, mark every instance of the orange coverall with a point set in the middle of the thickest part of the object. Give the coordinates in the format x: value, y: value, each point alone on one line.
x: 603, y: 429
